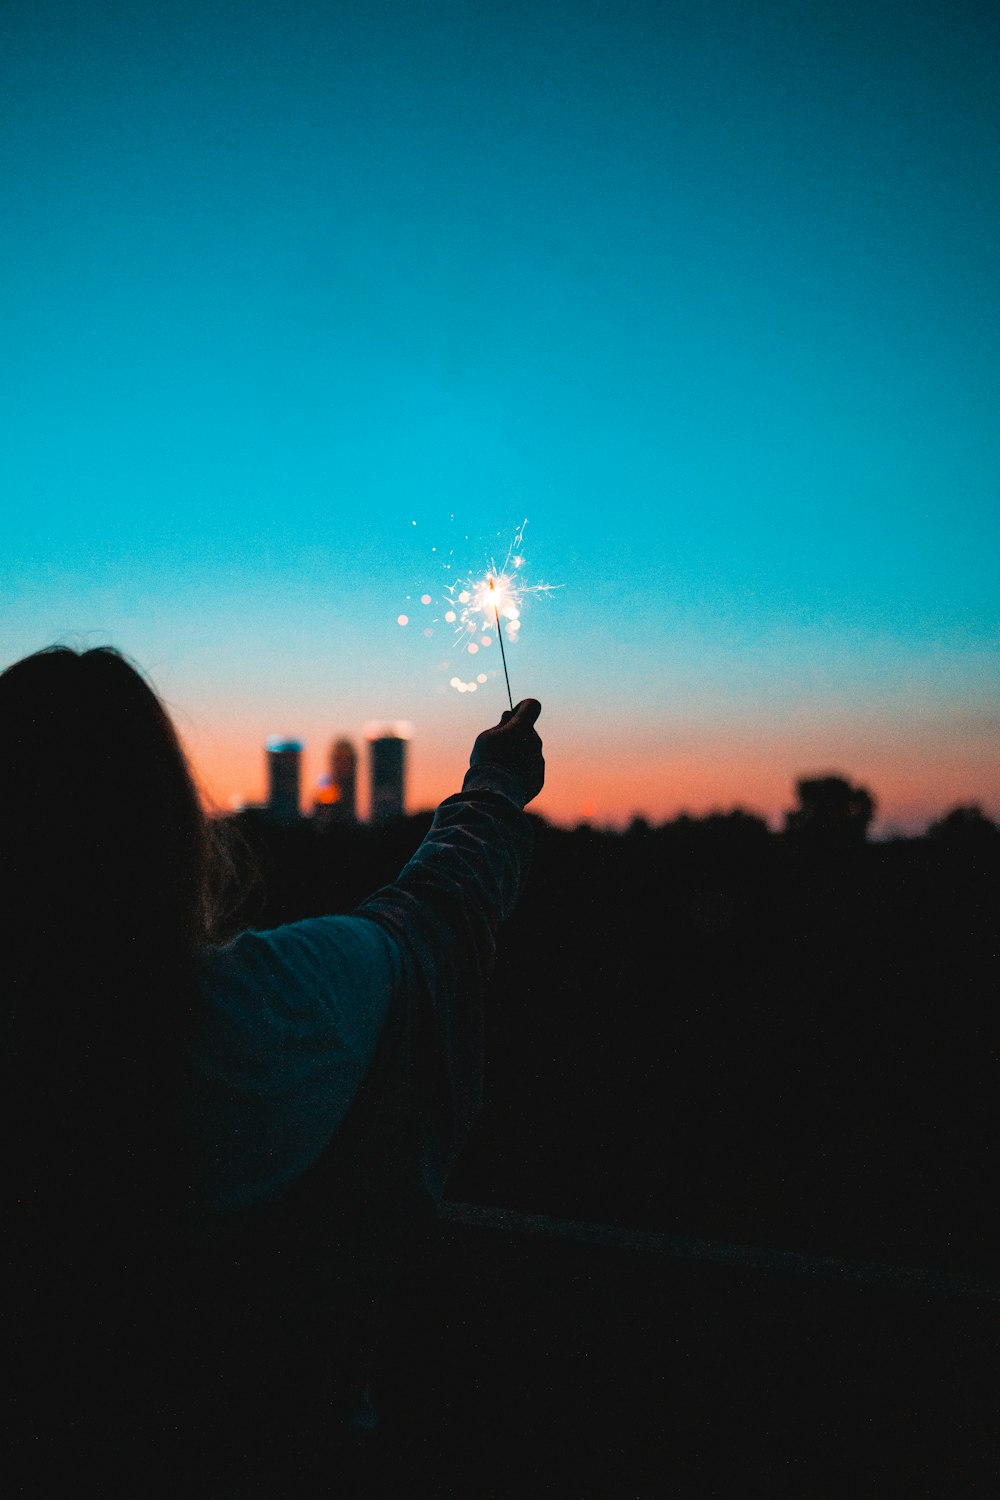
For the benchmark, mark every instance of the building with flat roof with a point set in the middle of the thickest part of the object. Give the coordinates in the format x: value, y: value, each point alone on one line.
x: 284, y: 759
x: 387, y: 762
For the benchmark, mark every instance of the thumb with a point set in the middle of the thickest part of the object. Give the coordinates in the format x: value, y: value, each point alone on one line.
x: 525, y: 713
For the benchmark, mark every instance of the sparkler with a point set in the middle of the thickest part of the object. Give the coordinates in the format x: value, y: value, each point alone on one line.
x: 503, y: 654
x: 475, y: 606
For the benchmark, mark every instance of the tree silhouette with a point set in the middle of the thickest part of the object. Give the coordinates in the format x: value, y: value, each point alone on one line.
x: 966, y: 824
x: 830, y: 811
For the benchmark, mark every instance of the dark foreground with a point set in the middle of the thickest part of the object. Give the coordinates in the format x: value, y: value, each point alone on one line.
x: 563, y: 1368
x: 766, y: 1072
x: 777, y: 1064
x: 533, y: 1357
x: 709, y: 1029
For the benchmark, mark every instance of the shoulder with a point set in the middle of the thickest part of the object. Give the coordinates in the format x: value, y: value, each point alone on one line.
x: 324, y: 975
x: 309, y: 951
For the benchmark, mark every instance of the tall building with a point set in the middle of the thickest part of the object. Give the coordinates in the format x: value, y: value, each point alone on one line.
x: 337, y: 798
x: 387, y: 759
x: 284, y: 759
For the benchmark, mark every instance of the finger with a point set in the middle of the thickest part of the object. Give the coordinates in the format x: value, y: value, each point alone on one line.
x: 526, y: 712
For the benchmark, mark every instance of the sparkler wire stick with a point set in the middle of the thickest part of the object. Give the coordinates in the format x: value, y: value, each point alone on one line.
x: 503, y: 654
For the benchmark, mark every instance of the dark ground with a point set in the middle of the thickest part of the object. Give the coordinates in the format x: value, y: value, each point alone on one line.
x: 574, y: 1370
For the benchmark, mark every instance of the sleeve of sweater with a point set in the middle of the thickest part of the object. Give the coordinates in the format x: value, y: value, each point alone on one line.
x: 294, y: 1014
x: 442, y: 913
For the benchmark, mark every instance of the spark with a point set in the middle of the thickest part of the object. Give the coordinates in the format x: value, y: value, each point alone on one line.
x: 495, y: 598
x: 488, y: 605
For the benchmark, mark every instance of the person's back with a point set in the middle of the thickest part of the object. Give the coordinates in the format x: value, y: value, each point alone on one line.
x: 223, y: 1151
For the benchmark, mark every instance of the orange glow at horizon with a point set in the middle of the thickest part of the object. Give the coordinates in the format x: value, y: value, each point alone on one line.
x: 912, y: 785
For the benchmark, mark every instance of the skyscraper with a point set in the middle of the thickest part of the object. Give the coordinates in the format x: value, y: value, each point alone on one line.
x: 387, y: 756
x: 283, y: 762
x: 336, y: 801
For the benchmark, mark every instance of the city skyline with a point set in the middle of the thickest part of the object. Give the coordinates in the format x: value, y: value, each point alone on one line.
x: 304, y: 307
x: 332, y: 797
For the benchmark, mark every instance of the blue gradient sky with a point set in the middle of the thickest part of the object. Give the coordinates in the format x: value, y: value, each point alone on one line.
x: 707, y: 291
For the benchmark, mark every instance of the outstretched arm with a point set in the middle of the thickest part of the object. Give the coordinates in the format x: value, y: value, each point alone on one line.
x: 294, y: 1015
x: 444, y: 909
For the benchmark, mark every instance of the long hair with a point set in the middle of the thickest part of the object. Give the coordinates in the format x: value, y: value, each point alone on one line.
x: 110, y: 868
x: 109, y: 863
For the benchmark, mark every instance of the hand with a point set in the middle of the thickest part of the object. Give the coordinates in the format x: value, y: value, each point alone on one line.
x: 515, y: 744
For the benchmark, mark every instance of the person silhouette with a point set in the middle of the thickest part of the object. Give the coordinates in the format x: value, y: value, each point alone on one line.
x: 223, y: 1149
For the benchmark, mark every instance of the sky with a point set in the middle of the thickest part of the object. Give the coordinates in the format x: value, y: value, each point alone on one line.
x: 305, y: 308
